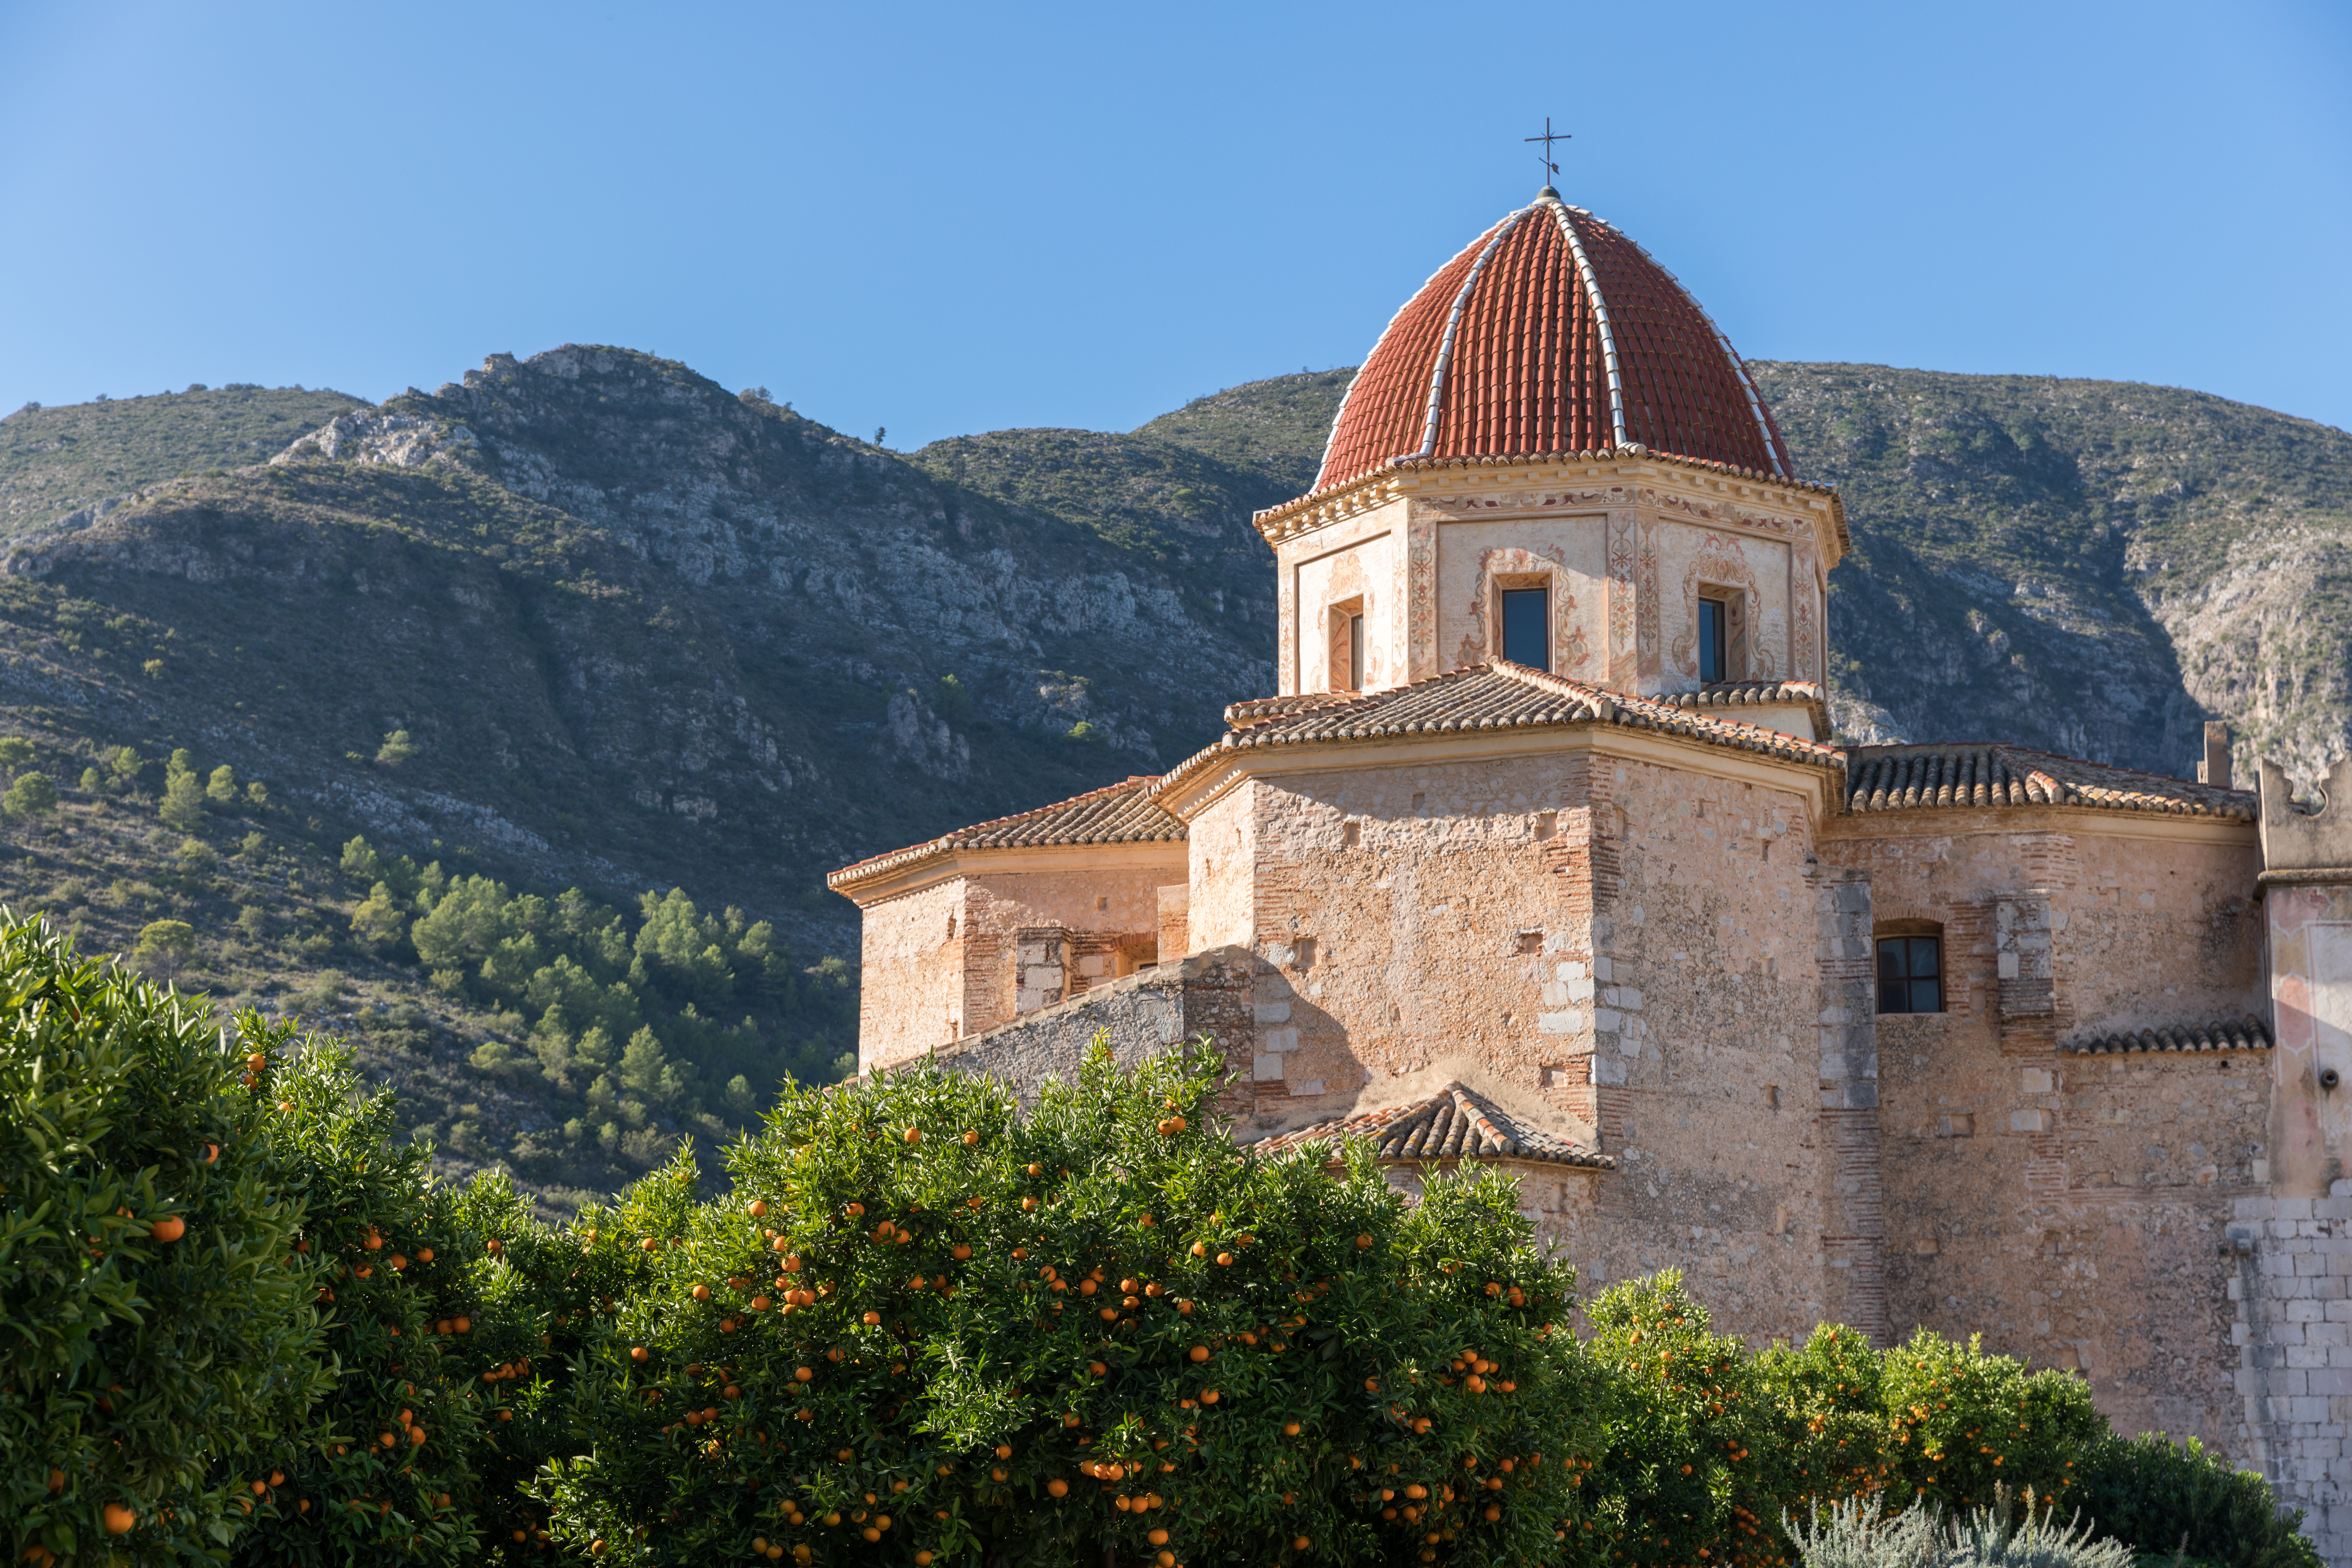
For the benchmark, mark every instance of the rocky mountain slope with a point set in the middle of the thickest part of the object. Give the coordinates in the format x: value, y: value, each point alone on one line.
x: 2091, y: 566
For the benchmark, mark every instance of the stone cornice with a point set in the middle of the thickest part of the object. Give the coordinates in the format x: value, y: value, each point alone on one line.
x: 1193, y: 789
x: 1952, y: 821
x: 1629, y: 475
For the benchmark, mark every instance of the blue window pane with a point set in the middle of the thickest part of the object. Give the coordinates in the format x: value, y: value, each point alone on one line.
x: 1710, y: 639
x: 1526, y: 639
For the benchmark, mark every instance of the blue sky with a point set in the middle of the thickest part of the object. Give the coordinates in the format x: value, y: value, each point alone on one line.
x: 944, y: 219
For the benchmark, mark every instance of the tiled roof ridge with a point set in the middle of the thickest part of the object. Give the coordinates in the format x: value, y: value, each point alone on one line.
x: 1748, y: 693
x: 1599, y: 307
x: 1443, y: 364
x: 1968, y: 775
x: 1767, y: 429
x: 1570, y: 702
x: 2248, y: 1033
x: 1258, y: 710
x: 1451, y: 1122
x: 975, y: 836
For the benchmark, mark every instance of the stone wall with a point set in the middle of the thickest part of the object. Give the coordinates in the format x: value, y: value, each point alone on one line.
x: 952, y: 958
x: 2071, y: 1206
x: 1628, y: 938
x: 1142, y: 1014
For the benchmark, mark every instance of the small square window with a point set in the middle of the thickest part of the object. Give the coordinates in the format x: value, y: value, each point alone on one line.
x: 1910, y: 974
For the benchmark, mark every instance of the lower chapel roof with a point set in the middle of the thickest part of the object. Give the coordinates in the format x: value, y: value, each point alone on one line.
x: 1123, y: 813
x: 1454, y: 1123
x: 1499, y: 696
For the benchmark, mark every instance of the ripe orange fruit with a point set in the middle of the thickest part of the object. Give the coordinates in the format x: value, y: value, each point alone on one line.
x: 1363, y: 1242
x: 464, y: 1325
x: 913, y: 1135
x: 701, y: 1292
x: 1158, y: 1538
x: 494, y: 1247
x: 256, y: 1061
x: 759, y: 1207
x: 870, y: 1319
x: 961, y: 1251
x: 119, y: 1519
x: 637, y: 1352
x: 1209, y: 1396
x: 1199, y: 1352
x: 1200, y: 1249
x: 1301, y: 1544
x: 1291, y: 1428
x: 170, y: 1228
x: 1227, y: 1259
x: 1054, y: 1488
x: 1036, y: 1170
x: 423, y: 1255
x: 801, y: 1374
x: 212, y: 1153
x: 373, y: 1243
x: 647, y: 1245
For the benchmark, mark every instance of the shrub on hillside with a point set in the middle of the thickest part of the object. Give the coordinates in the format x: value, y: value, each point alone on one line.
x: 925, y: 1326
x: 157, y: 1328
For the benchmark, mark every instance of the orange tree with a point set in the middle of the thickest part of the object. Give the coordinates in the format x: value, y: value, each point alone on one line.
x: 383, y: 1463
x: 543, y: 1295
x: 1962, y: 1422
x: 157, y: 1331
x: 924, y: 1327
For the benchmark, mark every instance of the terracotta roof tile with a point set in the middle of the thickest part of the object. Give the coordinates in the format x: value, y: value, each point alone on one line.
x: 2246, y: 1033
x: 1737, y: 694
x: 1498, y: 695
x: 1123, y: 813
x: 1454, y: 1123
x: 1918, y: 778
x: 1551, y: 333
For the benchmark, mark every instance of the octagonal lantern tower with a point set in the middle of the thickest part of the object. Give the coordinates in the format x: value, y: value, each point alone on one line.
x: 1551, y: 431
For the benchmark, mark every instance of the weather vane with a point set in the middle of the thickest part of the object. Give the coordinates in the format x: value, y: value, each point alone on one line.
x: 1548, y: 138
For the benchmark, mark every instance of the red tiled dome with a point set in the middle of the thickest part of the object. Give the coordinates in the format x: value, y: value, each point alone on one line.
x: 1551, y: 333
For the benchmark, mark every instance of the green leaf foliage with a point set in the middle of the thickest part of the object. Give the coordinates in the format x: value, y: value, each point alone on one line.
x: 157, y: 1328
x: 2166, y: 1498
x: 925, y: 1324
x: 386, y: 1462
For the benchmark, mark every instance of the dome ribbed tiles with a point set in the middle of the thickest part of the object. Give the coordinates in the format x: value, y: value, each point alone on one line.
x: 1552, y: 332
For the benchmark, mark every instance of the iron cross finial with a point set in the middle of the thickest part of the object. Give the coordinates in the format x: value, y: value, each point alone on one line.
x: 1548, y: 138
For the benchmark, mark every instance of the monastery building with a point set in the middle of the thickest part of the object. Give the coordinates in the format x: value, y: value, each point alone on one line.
x: 1544, y: 855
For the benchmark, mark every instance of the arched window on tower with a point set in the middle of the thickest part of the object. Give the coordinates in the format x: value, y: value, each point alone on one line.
x: 1910, y: 966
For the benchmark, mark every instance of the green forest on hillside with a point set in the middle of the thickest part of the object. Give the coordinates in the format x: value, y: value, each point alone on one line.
x: 573, y: 1041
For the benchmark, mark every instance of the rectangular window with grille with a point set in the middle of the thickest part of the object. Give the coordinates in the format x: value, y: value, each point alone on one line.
x: 1910, y: 974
